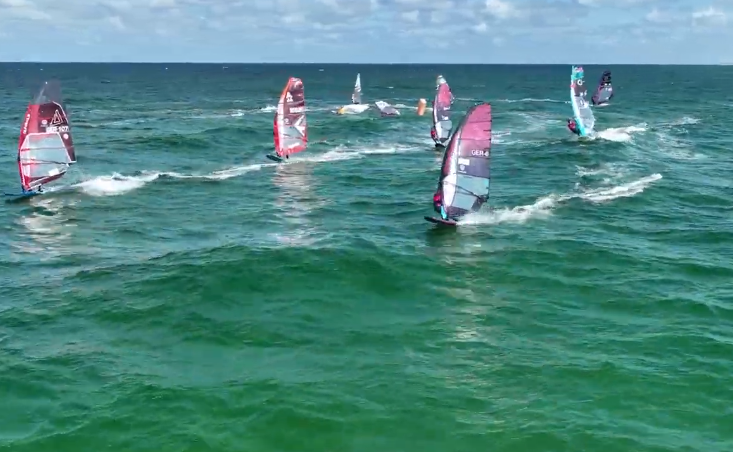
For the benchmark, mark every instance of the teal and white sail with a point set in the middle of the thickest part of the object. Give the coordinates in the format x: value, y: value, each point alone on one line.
x: 578, y: 98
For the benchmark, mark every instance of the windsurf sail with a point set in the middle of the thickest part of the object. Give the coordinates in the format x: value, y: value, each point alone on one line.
x: 356, y: 95
x: 581, y: 109
x: 290, y: 127
x: 464, y: 178
x: 45, y: 147
x: 604, y: 92
x: 441, y: 111
x: 386, y: 109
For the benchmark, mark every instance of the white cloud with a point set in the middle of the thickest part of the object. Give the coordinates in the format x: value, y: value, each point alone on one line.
x: 377, y: 30
x: 501, y: 9
x: 658, y: 17
x: 294, y: 18
x: 437, y: 17
x: 15, y: 3
x: 709, y: 17
x: 411, y: 16
x: 163, y: 3
x: 116, y: 22
x: 480, y: 28
x: 331, y: 3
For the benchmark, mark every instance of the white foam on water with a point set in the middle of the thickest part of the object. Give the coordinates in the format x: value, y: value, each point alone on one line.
x: 224, y: 174
x: 116, y: 184
x: 619, y: 134
x: 530, y: 99
x: 599, y: 195
x: 608, y: 171
x: 543, y: 207
x: 676, y: 148
x: 683, y: 121
x: 48, y: 231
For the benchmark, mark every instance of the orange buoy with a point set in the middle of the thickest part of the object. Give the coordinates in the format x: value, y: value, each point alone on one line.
x: 421, y: 104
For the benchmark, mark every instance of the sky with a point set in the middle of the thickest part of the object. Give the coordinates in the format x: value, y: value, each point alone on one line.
x: 369, y: 31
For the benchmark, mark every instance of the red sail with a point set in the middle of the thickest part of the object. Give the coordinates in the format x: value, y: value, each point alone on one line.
x: 290, y: 127
x: 45, y: 145
x: 465, y: 176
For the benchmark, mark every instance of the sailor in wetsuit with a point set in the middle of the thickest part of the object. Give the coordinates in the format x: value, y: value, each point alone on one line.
x: 438, y: 203
x: 573, y: 126
x: 433, y: 134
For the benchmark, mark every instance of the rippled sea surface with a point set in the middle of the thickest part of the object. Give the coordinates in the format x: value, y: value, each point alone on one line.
x: 176, y: 291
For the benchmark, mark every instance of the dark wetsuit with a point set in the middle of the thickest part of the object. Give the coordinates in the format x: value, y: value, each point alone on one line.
x: 573, y: 127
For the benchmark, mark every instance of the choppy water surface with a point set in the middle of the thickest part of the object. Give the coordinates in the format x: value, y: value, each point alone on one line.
x: 178, y: 291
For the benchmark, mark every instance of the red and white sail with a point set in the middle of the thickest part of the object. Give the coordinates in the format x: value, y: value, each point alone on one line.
x: 290, y: 126
x: 45, y: 146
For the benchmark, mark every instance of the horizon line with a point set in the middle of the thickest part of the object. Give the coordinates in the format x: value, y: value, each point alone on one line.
x: 361, y: 64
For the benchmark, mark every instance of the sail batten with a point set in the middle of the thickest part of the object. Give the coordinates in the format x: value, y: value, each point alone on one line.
x: 442, y: 124
x: 290, y: 125
x: 45, y: 146
x: 578, y: 97
x: 465, y: 175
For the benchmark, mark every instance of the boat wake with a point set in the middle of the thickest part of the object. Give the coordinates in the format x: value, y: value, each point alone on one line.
x: 530, y: 99
x: 619, y: 134
x: 118, y: 184
x: 114, y: 185
x: 544, y: 206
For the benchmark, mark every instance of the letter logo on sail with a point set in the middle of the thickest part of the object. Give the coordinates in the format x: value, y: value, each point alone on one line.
x: 56, y: 120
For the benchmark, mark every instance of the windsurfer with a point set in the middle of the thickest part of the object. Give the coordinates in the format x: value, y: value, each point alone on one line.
x: 573, y: 126
x: 433, y: 134
x: 26, y: 191
x: 438, y: 203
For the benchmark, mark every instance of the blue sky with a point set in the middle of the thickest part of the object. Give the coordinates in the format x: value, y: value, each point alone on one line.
x: 368, y: 31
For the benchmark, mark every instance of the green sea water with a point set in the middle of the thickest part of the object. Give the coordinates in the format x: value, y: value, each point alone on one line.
x: 176, y: 291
